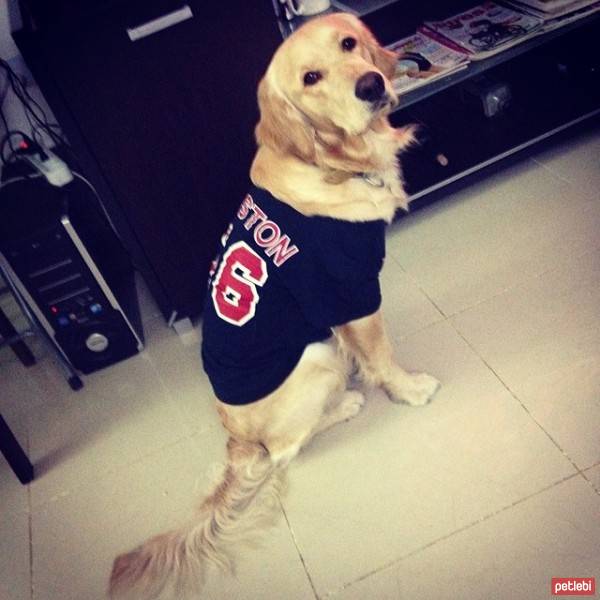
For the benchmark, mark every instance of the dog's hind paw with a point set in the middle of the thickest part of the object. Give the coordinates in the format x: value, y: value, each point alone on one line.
x: 416, y: 389
x: 351, y: 404
x: 347, y: 408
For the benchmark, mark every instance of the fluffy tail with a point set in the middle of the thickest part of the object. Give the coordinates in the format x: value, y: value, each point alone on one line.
x: 172, y: 565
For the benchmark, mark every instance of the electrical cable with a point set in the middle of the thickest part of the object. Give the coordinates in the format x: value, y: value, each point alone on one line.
x: 35, y: 114
x: 38, y: 122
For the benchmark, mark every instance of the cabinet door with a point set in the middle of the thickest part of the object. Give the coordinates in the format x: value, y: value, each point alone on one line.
x: 169, y: 119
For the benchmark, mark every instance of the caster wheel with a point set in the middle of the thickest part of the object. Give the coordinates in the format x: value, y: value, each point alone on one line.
x: 75, y: 383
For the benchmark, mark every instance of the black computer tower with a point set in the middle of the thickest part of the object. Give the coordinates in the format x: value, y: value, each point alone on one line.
x: 60, y: 252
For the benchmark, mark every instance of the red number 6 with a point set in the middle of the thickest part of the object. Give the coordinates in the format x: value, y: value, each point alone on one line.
x: 234, y: 290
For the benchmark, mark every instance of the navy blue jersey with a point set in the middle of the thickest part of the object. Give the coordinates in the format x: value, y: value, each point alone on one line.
x: 282, y: 281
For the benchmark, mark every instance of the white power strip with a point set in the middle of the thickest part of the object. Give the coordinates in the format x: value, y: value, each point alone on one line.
x: 52, y: 168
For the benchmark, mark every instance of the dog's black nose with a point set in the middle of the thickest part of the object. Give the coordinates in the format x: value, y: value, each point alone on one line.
x: 370, y: 87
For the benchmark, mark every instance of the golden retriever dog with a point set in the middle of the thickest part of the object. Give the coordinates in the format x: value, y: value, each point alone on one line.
x: 326, y: 182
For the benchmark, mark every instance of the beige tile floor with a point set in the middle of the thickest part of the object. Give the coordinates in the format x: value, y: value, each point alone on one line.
x: 487, y: 493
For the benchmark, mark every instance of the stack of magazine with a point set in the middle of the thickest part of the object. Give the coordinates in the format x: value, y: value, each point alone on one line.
x: 484, y: 30
x: 440, y: 48
x: 422, y: 60
x: 556, y: 13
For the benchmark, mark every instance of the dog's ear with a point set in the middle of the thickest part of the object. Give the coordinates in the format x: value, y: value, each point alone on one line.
x: 282, y: 126
x: 385, y: 60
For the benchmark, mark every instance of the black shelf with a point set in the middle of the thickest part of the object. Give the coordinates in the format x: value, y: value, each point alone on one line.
x: 553, y: 88
x: 478, y: 67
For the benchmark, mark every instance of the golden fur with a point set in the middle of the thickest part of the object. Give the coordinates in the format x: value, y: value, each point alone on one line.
x: 314, y: 143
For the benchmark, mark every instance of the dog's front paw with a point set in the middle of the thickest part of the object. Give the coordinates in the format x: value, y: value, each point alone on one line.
x: 351, y: 404
x: 416, y: 389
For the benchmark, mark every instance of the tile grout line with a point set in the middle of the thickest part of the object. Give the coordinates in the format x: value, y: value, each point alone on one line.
x: 589, y: 481
x: 417, y: 284
x: 579, y: 471
x: 312, y: 585
x: 562, y: 178
x: 478, y: 303
x: 30, y: 517
x: 518, y: 400
x: 552, y: 172
x: 114, y: 470
x: 452, y: 534
x: 499, y: 293
x: 30, y: 532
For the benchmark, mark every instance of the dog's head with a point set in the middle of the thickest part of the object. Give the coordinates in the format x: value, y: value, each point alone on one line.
x: 326, y: 86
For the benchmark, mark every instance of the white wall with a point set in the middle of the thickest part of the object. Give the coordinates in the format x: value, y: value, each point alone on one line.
x: 10, y: 20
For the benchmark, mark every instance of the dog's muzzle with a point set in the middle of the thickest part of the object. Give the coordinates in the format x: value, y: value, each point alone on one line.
x: 370, y: 87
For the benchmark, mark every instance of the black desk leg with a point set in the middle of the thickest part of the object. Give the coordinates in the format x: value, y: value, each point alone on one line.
x: 12, y: 451
x: 7, y: 331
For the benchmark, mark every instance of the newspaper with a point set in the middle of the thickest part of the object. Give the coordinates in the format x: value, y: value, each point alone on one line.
x: 486, y: 29
x: 557, y: 14
x: 555, y: 7
x: 422, y: 60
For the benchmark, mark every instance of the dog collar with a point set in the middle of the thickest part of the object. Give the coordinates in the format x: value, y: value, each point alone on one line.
x: 372, y: 179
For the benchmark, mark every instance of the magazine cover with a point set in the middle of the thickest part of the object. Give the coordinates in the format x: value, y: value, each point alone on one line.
x: 487, y: 29
x: 422, y: 60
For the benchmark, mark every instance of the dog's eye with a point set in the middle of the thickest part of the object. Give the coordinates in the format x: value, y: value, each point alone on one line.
x: 348, y: 44
x: 312, y: 77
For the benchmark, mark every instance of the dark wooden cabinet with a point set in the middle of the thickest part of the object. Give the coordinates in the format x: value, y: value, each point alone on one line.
x: 162, y: 126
